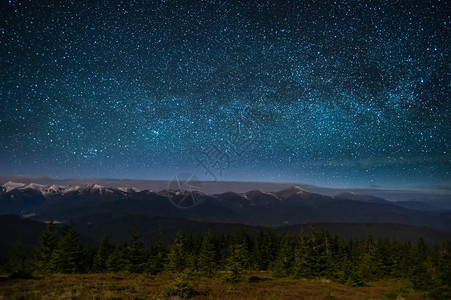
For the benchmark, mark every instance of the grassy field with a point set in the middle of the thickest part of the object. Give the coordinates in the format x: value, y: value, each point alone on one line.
x: 130, y: 286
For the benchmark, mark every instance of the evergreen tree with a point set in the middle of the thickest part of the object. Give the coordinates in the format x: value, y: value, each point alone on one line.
x: 404, y: 256
x: 445, y: 262
x: 207, y: 256
x: 136, y: 254
x: 397, y: 254
x: 369, y: 263
x: 66, y: 257
x: 117, y: 261
x: 88, y: 253
x: 102, y: 255
x: 222, y: 243
x: 45, y: 248
x: 157, y: 258
x: 263, y: 251
x: 283, y: 266
x: 301, y: 268
x: 191, y: 249
x: 419, y: 273
x: 237, y: 261
x: 353, y: 276
x: 312, y: 254
x: 337, y: 259
x: 19, y: 266
x: 176, y: 255
x: 383, y: 257
x: 319, y: 259
x: 442, y: 288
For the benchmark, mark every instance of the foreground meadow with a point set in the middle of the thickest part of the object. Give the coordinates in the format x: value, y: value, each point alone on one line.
x: 132, y: 286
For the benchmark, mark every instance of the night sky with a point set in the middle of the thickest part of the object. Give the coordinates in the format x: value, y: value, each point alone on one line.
x: 351, y: 93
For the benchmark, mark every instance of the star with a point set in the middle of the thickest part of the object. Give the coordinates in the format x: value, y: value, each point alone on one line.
x: 339, y: 94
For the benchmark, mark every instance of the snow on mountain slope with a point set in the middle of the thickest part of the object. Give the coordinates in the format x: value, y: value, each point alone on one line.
x: 60, y: 189
x: 9, y: 186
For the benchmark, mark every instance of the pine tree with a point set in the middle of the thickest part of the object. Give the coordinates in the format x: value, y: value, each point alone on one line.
x: 301, y: 268
x: 283, y: 266
x: 369, y: 265
x: 136, y: 254
x: 191, y: 249
x: 384, y: 257
x: 442, y: 288
x: 237, y: 262
x: 102, y: 255
x: 322, y: 253
x: 397, y: 254
x: 176, y: 255
x: 313, y: 255
x: 354, y: 278
x: 263, y: 250
x: 419, y: 274
x: 223, y: 242
x: 117, y: 261
x: 66, y: 257
x: 404, y: 256
x: 337, y: 258
x: 207, y: 256
x: 18, y: 265
x: 157, y: 257
x: 45, y: 248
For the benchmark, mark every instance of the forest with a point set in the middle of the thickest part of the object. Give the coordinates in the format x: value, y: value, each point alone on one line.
x: 312, y: 254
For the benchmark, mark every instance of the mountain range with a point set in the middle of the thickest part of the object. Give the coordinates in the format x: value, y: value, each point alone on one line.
x: 293, y: 205
x: 439, y: 195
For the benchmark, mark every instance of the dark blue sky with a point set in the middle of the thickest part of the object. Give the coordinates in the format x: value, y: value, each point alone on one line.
x: 352, y: 93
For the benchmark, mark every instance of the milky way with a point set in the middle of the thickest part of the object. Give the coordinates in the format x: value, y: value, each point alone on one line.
x: 351, y: 93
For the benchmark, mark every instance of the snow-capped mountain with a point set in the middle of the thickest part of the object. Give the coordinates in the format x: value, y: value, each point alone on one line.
x: 48, y: 190
x: 26, y: 199
x: 292, y: 205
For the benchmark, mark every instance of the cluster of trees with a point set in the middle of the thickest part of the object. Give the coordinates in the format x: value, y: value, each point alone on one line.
x: 312, y: 254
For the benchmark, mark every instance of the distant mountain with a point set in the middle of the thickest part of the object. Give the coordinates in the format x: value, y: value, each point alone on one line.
x: 292, y: 205
x: 414, y: 205
x: 440, y: 196
x: 418, y: 205
x: 364, y: 198
x: 260, y: 198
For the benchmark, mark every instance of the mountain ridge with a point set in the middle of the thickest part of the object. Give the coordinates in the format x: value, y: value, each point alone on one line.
x: 291, y: 205
x: 441, y: 196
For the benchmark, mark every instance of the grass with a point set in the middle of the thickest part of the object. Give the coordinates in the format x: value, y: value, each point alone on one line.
x: 134, y: 286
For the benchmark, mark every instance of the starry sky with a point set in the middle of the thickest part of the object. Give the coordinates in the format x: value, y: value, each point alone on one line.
x: 332, y: 93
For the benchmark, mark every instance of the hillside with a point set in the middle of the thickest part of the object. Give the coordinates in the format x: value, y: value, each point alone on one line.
x: 153, y: 228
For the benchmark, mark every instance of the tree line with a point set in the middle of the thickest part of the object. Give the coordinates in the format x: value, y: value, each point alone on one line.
x: 308, y: 254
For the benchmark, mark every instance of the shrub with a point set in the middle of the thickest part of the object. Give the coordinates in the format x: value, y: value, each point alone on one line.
x: 230, y: 277
x: 179, y: 288
x: 398, y: 289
